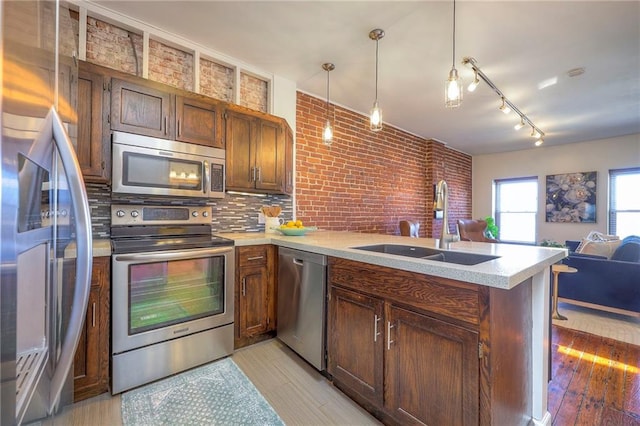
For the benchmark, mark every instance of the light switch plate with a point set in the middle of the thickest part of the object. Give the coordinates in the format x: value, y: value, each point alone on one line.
x: 261, y: 220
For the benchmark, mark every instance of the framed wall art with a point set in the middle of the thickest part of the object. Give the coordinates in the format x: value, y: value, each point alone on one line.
x: 571, y: 197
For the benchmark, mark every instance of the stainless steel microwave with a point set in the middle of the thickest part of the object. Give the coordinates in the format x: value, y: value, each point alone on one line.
x: 161, y: 167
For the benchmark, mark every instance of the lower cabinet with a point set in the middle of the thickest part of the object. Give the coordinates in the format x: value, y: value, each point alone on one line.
x: 91, y: 362
x: 417, y: 349
x: 255, y: 307
x: 417, y: 369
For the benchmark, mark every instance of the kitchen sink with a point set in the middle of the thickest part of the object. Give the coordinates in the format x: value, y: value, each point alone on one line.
x: 429, y: 253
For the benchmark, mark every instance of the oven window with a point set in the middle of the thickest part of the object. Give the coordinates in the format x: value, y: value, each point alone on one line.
x: 176, y: 291
x: 160, y: 172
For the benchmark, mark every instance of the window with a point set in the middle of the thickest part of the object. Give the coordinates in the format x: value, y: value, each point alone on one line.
x: 624, y: 202
x: 516, y: 209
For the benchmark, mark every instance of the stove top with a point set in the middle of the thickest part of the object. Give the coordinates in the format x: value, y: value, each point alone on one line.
x: 137, y: 229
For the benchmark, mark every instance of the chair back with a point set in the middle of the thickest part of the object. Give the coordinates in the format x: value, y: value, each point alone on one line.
x: 473, y: 230
x: 409, y: 228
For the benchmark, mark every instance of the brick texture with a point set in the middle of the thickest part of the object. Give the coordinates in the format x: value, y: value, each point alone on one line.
x: 216, y: 80
x: 253, y: 93
x: 368, y: 182
x: 113, y: 47
x: 170, y: 66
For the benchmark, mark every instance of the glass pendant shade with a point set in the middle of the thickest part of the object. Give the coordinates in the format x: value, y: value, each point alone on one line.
x: 327, y: 133
x: 453, y: 90
x: 375, y: 117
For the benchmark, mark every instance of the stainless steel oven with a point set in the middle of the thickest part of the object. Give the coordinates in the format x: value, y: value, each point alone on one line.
x: 172, y: 292
x: 152, y: 166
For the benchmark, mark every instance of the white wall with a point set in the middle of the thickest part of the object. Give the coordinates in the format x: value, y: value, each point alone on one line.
x: 600, y: 155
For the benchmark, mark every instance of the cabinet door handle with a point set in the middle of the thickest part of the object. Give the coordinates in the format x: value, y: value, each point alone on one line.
x: 255, y: 258
x: 93, y: 315
x: 252, y: 174
x: 375, y: 327
x: 244, y: 286
x: 166, y: 130
x: 179, y: 128
x: 389, y: 341
x: 259, y: 175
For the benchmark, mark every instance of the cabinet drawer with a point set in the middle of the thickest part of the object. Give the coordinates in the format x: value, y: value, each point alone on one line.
x: 253, y: 255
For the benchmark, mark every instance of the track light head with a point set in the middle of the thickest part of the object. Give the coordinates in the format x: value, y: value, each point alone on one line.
x: 504, y: 107
x: 520, y: 125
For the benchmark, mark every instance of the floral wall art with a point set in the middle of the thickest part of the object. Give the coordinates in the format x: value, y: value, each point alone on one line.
x: 571, y: 197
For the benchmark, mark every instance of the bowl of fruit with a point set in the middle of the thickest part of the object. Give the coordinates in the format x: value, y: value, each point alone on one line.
x: 294, y: 228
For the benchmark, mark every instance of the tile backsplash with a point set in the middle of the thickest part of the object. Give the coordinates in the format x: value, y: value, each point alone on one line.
x: 234, y: 213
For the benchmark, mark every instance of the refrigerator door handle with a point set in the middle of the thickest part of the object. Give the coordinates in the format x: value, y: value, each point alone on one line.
x: 83, y: 259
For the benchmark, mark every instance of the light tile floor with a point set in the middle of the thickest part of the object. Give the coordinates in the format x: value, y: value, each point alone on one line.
x: 615, y: 326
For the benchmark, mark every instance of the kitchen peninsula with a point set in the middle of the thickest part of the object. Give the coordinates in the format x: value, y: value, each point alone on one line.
x: 422, y: 341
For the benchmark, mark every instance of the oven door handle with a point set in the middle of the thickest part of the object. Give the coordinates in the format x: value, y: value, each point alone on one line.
x: 174, y: 255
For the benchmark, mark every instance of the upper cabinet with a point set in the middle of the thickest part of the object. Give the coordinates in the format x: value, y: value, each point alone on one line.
x: 151, y: 109
x: 256, y: 158
x: 93, y: 146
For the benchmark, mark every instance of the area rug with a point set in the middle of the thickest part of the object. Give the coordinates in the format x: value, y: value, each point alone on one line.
x: 215, y: 394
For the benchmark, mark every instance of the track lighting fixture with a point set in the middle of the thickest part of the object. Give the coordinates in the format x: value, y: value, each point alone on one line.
x: 507, y: 105
x: 327, y: 131
x: 504, y: 107
x: 474, y: 83
x: 453, y: 85
x: 375, y: 116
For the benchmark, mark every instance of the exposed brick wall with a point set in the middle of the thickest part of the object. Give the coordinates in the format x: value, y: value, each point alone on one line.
x: 170, y: 66
x: 216, y: 80
x: 368, y: 182
x: 455, y: 168
x: 253, y: 92
x: 110, y: 46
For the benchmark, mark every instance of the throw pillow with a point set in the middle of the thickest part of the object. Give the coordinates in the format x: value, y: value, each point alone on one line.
x: 598, y: 248
x: 628, y: 252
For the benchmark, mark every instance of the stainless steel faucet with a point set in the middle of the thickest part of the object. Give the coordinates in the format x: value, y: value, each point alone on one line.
x: 442, y: 196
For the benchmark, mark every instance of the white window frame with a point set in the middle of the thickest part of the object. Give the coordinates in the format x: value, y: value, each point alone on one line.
x: 497, y: 213
x: 613, y: 211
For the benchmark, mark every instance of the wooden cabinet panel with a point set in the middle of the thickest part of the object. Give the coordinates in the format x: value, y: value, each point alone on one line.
x: 255, y: 152
x: 240, y: 135
x: 255, y: 298
x: 199, y: 122
x: 269, y: 156
x: 288, y: 162
x: 141, y: 109
x: 431, y: 370
x: 356, y: 342
x: 91, y: 361
x: 93, y: 144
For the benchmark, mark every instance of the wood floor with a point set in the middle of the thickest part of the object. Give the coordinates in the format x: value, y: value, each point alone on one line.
x: 596, y: 381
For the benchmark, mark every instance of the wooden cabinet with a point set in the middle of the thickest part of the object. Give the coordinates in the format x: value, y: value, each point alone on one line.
x: 416, y: 349
x: 255, y: 307
x: 91, y: 362
x: 93, y: 139
x: 255, y: 152
x: 141, y: 109
x: 356, y: 342
x: 288, y: 162
x: 147, y: 108
x: 199, y: 121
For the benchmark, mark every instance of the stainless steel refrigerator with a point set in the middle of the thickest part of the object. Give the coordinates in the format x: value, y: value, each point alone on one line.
x: 45, y: 228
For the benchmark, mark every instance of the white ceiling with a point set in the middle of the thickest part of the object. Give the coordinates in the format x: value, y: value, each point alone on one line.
x: 518, y: 45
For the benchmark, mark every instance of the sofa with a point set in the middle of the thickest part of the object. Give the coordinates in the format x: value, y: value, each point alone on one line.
x: 605, y: 283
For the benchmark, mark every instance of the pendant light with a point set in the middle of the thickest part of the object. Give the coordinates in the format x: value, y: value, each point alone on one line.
x: 327, y: 131
x: 453, y: 85
x: 375, y: 115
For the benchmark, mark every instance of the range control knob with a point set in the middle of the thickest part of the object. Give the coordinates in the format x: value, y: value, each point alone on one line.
x: 194, y: 213
x: 120, y: 213
x: 205, y: 213
x: 134, y: 213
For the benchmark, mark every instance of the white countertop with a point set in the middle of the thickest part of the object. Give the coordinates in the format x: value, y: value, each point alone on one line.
x: 515, y: 264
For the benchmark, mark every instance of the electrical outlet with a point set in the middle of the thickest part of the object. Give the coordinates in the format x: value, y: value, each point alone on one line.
x: 261, y: 220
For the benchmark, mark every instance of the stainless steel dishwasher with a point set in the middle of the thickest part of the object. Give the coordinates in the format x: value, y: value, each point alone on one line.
x: 302, y: 289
